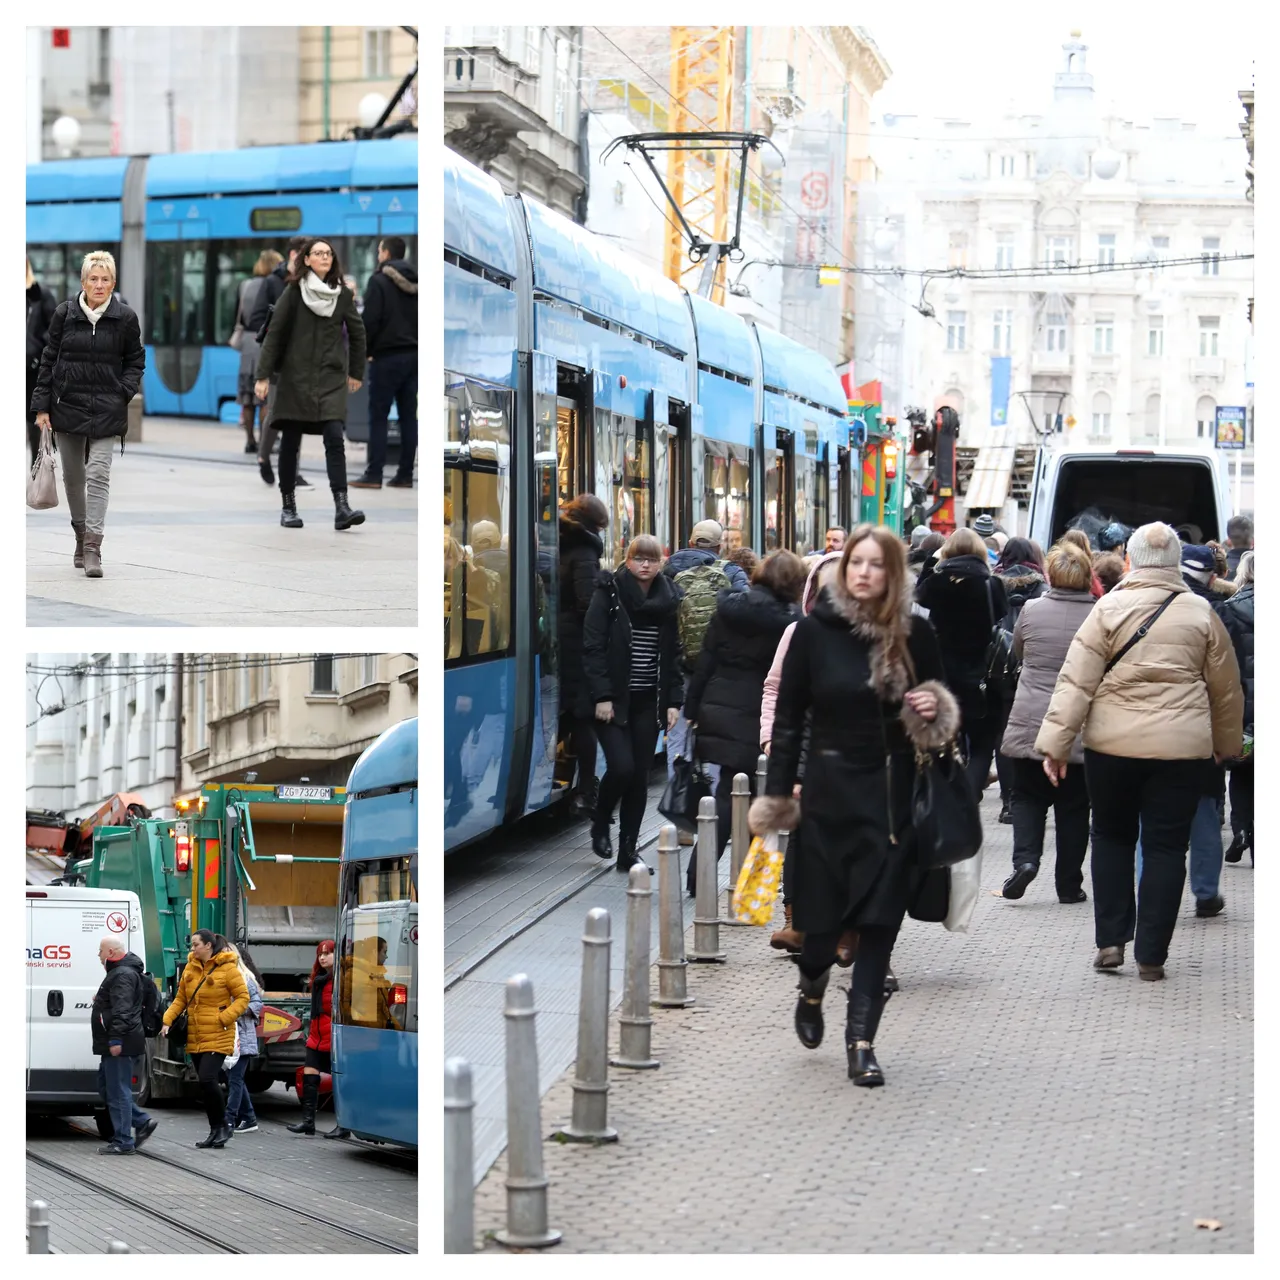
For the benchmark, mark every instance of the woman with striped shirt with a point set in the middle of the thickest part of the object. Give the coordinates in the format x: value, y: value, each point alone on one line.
x: 630, y: 660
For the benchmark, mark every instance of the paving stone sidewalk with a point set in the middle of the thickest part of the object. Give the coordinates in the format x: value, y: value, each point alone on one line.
x: 1032, y: 1105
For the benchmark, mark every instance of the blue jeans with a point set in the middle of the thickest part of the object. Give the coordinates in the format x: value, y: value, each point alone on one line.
x: 239, y: 1105
x: 115, y: 1085
x: 393, y: 377
x: 1205, y: 864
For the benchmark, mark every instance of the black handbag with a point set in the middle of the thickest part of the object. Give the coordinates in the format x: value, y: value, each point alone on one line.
x: 684, y: 790
x: 944, y: 810
x: 1002, y: 667
x: 178, y: 1027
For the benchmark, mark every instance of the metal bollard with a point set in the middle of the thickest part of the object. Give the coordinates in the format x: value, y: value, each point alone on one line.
x: 673, y: 969
x: 526, y: 1180
x: 762, y: 772
x: 459, y: 1159
x: 117, y: 1246
x: 589, y: 1122
x: 634, y: 1023
x: 739, y: 841
x: 706, y: 923
x: 37, y: 1227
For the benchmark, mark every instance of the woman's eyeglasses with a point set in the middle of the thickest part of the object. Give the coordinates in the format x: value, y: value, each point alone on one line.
x: 645, y: 560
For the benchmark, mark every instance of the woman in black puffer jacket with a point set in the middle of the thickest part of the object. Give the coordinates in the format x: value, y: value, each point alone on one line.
x: 90, y: 369
x: 723, y: 698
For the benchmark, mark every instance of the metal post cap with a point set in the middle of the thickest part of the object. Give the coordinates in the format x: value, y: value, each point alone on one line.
x: 668, y: 841
x: 598, y: 924
x: 706, y: 808
x: 741, y: 784
x: 519, y: 997
x: 457, y: 1083
x: 639, y: 881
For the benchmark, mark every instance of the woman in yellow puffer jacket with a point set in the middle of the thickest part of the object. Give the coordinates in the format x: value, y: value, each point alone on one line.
x: 214, y: 995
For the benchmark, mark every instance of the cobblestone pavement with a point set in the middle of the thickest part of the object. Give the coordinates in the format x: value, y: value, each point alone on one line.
x: 1032, y: 1104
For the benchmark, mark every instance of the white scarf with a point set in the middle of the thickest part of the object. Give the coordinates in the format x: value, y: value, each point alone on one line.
x: 94, y: 316
x: 320, y: 297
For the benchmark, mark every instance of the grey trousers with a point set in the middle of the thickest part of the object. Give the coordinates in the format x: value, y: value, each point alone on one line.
x: 268, y: 431
x: 87, y: 485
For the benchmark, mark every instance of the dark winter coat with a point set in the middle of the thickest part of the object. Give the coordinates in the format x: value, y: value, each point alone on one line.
x: 117, y: 1009
x: 309, y: 354
x: 1237, y: 617
x: 1198, y: 588
x: 41, y: 304
x: 1233, y: 560
x: 963, y: 599
x: 723, y: 697
x: 1021, y: 583
x: 580, y: 552
x: 320, y: 1031
x: 88, y: 375
x: 856, y: 862
x: 606, y: 642
x: 391, y: 308
x: 272, y: 287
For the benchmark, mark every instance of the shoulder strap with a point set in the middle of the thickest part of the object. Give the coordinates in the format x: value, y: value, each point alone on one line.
x: 1142, y: 630
x: 991, y: 608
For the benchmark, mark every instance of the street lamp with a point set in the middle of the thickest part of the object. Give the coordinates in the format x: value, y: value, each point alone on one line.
x: 370, y: 110
x: 66, y: 134
x: 1106, y: 163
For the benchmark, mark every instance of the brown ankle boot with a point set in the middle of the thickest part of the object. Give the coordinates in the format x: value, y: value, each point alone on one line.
x: 78, y: 527
x: 787, y: 938
x: 93, y: 555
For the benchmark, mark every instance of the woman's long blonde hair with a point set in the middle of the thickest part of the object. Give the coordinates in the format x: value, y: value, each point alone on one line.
x: 887, y: 612
x: 245, y: 972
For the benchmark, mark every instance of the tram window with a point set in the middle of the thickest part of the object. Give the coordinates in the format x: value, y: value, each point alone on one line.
x: 49, y: 265
x: 163, y: 257
x: 805, y: 509
x: 194, y: 258
x: 726, y: 474
x: 627, y: 485
x: 360, y: 257
x: 477, y: 577
x: 774, y: 487
x: 233, y: 264
x: 376, y: 966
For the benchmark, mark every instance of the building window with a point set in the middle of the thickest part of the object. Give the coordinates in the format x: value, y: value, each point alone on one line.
x: 1055, y: 332
x: 1160, y: 247
x: 1155, y: 335
x: 377, y: 53
x: 1008, y: 166
x: 1209, y: 247
x: 1004, y: 251
x: 1102, y: 415
x: 1208, y: 335
x: 1002, y: 330
x: 1057, y: 251
x: 955, y: 330
x: 1107, y: 251
x: 958, y: 249
x: 202, y: 739
x: 1206, y: 415
x: 368, y: 669
x: 1104, y: 333
x: 246, y: 682
x: 563, y: 88
x: 322, y: 674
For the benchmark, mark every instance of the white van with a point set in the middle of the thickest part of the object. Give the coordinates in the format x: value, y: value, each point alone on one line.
x: 1186, y: 486
x: 64, y: 928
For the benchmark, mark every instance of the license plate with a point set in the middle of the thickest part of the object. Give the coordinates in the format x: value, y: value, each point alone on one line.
x: 304, y: 793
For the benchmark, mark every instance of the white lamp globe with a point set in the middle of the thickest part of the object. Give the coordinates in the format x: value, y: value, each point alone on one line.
x: 885, y: 239
x: 66, y: 134
x: 774, y: 158
x: 1106, y: 164
x: 370, y: 110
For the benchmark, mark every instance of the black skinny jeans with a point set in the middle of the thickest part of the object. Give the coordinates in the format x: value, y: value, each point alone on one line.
x: 628, y: 752
x: 1163, y: 796
x: 875, y: 949
x: 208, y: 1067
x: 1031, y: 798
x: 335, y: 457
x: 982, y: 737
x: 1240, y: 780
x: 583, y: 731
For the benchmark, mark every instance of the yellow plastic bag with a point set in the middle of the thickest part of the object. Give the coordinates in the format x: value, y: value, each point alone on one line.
x: 758, y: 881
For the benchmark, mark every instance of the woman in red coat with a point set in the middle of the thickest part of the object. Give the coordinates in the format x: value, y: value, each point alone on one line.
x: 318, y: 1040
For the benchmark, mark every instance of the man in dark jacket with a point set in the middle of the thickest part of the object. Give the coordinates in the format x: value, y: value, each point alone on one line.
x: 391, y: 323
x: 118, y: 1039
x: 267, y: 296
x: 1240, y: 532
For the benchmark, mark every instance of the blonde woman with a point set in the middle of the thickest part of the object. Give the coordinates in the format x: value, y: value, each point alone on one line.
x: 90, y: 369
x: 240, y: 1115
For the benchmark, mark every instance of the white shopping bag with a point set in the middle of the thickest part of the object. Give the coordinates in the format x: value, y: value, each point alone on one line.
x: 965, y: 877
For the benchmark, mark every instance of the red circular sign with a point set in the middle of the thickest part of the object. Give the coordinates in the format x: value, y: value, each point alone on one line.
x: 413, y: 935
x: 814, y: 190
x: 117, y: 922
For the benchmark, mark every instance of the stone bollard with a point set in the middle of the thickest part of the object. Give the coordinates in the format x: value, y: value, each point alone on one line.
x: 762, y: 772
x: 117, y: 1246
x: 589, y: 1122
x: 526, y: 1181
x: 459, y: 1159
x: 706, y: 923
x: 672, y: 967
x: 634, y: 1023
x: 739, y: 841
x: 37, y: 1227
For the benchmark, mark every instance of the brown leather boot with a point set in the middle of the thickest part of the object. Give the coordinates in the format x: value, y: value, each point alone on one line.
x: 847, y: 948
x: 78, y: 528
x: 787, y: 939
x: 93, y: 555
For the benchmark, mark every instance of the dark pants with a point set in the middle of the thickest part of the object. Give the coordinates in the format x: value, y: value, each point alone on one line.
x: 1004, y: 771
x: 875, y: 949
x: 208, y: 1067
x: 239, y: 1104
x: 585, y: 741
x: 1240, y: 780
x: 1162, y: 796
x: 724, y: 824
x: 982, y: 737
x: 335, y: 458
x: 1032, y: 797
x: 628, y: 752
x: 393, y: 377
x: 115, y: 1084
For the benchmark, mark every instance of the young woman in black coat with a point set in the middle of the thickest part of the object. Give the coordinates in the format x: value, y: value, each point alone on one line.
x: 581, y: 521
x: 630, y: 654
x: 722, y: 702
x: 869, y: 673
x: 964, y: 603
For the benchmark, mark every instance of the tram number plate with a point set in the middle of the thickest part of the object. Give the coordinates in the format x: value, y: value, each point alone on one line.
x: 304, y: 793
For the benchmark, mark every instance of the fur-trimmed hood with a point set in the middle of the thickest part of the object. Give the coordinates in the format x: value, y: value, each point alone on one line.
x: 890, y: 677
x: 401, y: 274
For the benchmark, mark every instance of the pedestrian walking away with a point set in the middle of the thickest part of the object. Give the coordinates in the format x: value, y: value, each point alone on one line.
x: 213, y: 995
x: 391, y: 325
x: 1042, y: 636
x: 240, y: 1113
x: 319, y: 1037
x: 318, y: 366
x: 1152, y: 680
x: 1240, y: 535
x: 90, y: 369
x: 868, y: 670
x: 630, y: 658
x: 722, y: 701
x: 119, y: 1041
x: 1237, y: 617
x: 41, y: 304
x: 268, y: 261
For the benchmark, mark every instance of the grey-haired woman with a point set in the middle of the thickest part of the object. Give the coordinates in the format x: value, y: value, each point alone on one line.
x: 90, y: 369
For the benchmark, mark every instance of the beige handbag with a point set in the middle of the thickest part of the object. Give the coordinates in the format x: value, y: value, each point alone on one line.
x: 42, y: 487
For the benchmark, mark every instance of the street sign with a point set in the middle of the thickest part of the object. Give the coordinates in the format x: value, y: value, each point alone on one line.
x: 828, y: 275
x: 62, y: 37
x: 1229, y: 420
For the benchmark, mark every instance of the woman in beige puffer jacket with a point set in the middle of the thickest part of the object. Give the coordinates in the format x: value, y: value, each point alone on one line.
x: 1152, y: 726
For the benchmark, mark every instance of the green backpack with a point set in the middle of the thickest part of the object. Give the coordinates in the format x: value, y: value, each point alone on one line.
x: 699, y: 587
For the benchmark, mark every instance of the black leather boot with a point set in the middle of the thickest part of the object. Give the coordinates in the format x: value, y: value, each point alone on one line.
x: 338, y: 1132
x: 600, y: 844
x: 627, y: 856
x: 343, y: 516
x: 221, y: 1135
x: 289, y: 517
x: 860, y: 1031
x: 310, y: 1092
x: 211, y: 1139
x: 809, y: 1024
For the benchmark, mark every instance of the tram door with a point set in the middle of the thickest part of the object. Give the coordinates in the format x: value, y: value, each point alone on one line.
x: 779, y: 492
x: 571, y: 451
x: 844, y: 489
x: 669, y: 429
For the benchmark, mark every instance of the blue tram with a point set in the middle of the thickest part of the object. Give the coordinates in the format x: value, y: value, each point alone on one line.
x: 569, y: 367
x: 375, y: 999
x: 186, y: 229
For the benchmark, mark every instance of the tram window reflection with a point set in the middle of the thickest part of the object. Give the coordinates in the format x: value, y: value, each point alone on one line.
x: 726, y: 473
x: 375, y: 976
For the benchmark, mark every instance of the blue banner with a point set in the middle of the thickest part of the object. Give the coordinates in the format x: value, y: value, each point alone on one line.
x: 1000, y: 367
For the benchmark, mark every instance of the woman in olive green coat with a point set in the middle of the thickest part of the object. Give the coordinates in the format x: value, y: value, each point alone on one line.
x: 316, y: 367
